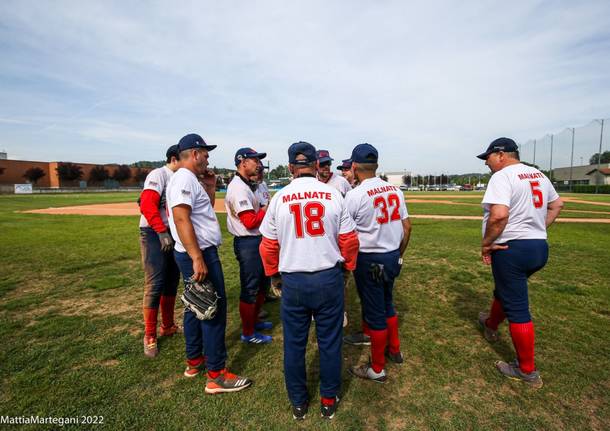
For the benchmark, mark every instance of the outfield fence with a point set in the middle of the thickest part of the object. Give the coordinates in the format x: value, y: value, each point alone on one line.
x: 570, y: 158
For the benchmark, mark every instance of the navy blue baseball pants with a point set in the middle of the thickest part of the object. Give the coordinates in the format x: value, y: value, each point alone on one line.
x: 206, y: 337
x: 251, y: 272
x: 318, y: 294
x: 161, y: 275
x: 511, y: 268
x: 375, y: 289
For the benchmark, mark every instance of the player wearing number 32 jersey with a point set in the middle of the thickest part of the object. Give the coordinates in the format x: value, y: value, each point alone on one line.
x: 519, y: 205
x: 308, y: 237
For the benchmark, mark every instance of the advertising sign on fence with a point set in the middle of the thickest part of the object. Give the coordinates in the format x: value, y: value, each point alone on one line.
x: 22, y: 189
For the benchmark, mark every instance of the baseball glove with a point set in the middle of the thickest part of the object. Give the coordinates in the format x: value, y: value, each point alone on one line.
x: 276, y: 286
x: 200, y: 298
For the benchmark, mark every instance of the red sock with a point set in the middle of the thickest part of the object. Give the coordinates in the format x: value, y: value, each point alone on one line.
x: 195, y: 362
x: 496, y: 315
x: 523, y: 340
x: 260, y: 300
x: 167, y: 310
x: 365, y: 329
x: 213, y: 374
x: 150, y: 322
x: 379, y: 339
x: 328, y: 401
x: 248, y: 317
x: 393, y: 340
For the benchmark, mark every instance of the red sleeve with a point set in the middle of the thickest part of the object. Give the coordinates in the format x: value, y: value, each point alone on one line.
x: 250, y: 219
x: 349, y: 245
x: 270, y: 254
x: 149, y: 207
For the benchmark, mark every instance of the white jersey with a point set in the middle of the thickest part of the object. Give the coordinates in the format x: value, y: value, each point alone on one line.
x: 157, y: 180
x: 306, y: 217
x: 526, y: 192
x: 184, y: 188
x: 262, y: 194
x: 378, y: 209
x: 339, y: 183
x: 240, y: 198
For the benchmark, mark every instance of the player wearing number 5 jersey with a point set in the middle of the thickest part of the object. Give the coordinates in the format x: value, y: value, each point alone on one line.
x: 308, y: 237
x: 384, y: 229
x: 519, y: 205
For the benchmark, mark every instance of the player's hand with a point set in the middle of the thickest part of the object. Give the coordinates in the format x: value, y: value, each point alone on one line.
x: 167, y: 242
x: 486, y: 251
x: 276, y: 286
x: 200, y: 270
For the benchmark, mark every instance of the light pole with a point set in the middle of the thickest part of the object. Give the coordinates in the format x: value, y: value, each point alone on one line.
x: 572, y: 157
x: 599, y: 154
x: 551, y: 162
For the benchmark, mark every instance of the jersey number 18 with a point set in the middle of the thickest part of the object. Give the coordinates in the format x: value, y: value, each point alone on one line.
x: 313, y: 213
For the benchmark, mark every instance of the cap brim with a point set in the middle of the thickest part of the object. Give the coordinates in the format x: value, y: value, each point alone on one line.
x: 483, y: 156
x: 325, y: 159
x: 256, y: 156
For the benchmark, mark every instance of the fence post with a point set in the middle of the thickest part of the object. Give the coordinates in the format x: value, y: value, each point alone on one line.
x: 572, y: 157
x: 599, y: 156
x: 551, y: 162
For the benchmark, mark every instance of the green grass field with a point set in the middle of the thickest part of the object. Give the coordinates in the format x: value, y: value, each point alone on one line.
x: 70, y: 325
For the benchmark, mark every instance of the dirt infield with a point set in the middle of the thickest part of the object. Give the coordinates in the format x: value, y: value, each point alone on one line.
x: 131, y: 209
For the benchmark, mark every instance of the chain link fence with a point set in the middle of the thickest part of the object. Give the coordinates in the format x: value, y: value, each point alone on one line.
x: 571, y: 158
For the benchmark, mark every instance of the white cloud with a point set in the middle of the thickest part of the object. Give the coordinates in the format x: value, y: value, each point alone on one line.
x: 429, y: 83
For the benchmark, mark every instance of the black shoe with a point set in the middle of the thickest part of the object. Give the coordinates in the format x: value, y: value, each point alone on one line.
x: 328, y: 412
x: 299, y: 412
x: 397, y: 358
x: 357, y: 339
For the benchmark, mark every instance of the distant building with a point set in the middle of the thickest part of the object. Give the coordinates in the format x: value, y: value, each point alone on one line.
x: 3, y: 155
x: 396, y: 178
x: 586, y: 174
x: 12, y: 171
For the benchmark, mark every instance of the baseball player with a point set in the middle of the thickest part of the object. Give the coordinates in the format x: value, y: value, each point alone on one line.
x: 161, y: 274
x: 244, y: 216
x: 326, y: 176
x: 308, y: 236
x: 194, y: 226
x: 384, y: 229
x: 346, y: 172
x: 519, y: 205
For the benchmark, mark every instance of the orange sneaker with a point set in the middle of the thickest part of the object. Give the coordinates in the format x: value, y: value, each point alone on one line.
x: 194, y: 370
x: 226, y: 382
x: 168, y: 332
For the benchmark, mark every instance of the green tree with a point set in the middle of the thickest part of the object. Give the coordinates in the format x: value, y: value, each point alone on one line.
x: 67, y: 171
x: 34, y: 174
x: 280, y: 171
x: 98, y: 174
x: 605, y: 158
x: 141, y: 174
x: 122, y: 173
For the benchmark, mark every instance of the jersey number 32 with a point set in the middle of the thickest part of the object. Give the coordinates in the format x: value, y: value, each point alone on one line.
x: 383, y: 205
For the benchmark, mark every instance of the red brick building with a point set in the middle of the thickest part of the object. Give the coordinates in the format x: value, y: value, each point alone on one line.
x: 12, y: 172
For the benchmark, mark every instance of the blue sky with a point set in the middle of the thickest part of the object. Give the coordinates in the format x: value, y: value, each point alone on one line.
x: 429, y: 83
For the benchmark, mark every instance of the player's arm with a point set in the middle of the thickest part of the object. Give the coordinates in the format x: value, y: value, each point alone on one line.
x: 149, y: 208
x: 252, y: 219
x: 553, y: 210
x: 186, y: 233
x: 406, y: 235
x: 498, y: 218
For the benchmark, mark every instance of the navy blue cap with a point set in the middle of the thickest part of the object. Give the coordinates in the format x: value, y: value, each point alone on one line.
x: 345, y: 165
x: 323, y: 156
x: 172, y: 151
x: 501, y: 144
x: 303, y: 148
x: 247, y: 153
x: 193, y: 141
x: 364, y: 153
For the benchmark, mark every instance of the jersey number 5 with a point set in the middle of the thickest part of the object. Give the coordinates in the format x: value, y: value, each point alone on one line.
x: 313, y: 212
x: 382, y: 205
x: 536, y: 194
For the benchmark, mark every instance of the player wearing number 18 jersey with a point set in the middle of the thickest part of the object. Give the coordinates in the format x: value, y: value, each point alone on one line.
x: 383, y: 226
x: 519, y: 205
x: 308, y: 236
